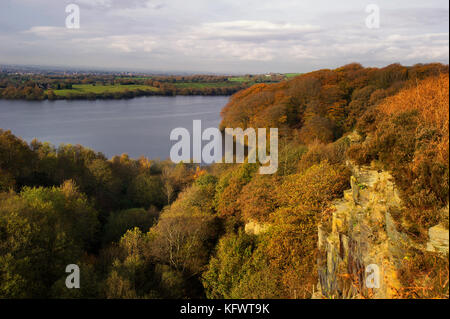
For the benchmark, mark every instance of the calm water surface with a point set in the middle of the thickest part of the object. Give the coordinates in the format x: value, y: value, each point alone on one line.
x: 139, y: 126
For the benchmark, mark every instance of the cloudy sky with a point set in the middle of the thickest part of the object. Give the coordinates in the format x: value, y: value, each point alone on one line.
x: 223, y: 36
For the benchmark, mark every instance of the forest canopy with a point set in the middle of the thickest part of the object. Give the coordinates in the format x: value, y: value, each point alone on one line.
x: 140, y: 228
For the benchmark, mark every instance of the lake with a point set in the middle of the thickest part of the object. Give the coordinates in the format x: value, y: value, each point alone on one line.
x: 139, y: 126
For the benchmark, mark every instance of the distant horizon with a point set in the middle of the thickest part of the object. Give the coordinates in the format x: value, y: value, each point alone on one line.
x: 86, y: 69
x: 82, y: 68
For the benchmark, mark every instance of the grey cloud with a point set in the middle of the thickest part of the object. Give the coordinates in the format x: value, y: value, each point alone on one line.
x: 223, y: 36
x: 110, y: 4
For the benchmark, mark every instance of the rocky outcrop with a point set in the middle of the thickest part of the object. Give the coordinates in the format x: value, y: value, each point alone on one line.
x: 438, y: 239
x: 359, y: 239
x: 256, y: 228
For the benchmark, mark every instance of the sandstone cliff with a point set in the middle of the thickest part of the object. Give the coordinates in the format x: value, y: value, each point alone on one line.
x: 361, y: 233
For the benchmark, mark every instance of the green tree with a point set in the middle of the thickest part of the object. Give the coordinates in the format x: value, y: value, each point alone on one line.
x: 42, y: 230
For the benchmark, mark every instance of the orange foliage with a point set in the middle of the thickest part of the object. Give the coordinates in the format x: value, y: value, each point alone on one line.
x: 409, y: 135
x: 199, y: 173
x: 257, y: 198
x: 430, y: 98
x: 324, y: 94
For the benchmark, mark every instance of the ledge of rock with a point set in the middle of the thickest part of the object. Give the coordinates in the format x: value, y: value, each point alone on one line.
x: 438, y: 239
x: 256, y: 228
x: 361, y: 232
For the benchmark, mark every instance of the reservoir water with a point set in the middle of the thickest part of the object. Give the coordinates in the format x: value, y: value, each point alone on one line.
x: 139, y: 126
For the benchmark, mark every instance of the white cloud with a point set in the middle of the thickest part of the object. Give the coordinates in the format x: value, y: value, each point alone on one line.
x: 95, y: 3
x: 51, y: 32
x: 247, y: 29
x: 224, y: 35
x: 135, y: 43
x: 115, y: 3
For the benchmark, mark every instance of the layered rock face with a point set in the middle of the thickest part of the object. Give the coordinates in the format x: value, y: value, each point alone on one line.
x: 360, y: 248
x: 256, y: 228
x: 438, y: 239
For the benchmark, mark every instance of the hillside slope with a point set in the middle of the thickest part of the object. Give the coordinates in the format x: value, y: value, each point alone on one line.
x: 362, y: 179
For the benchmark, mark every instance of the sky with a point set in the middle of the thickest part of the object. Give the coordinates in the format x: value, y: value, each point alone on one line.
x: 223, y: 36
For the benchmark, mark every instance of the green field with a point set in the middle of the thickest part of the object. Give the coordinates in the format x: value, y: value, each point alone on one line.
x: 86, y: 89
x: 100, y: 89
x: 292, y: 75
x: 239, y: 79
x: 242, y: 79
x: 200, y: 85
